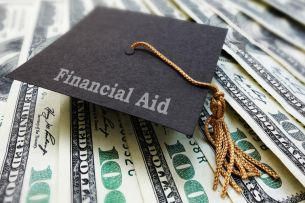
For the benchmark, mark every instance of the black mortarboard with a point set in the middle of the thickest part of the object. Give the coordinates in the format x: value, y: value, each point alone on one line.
x: 89, y: 63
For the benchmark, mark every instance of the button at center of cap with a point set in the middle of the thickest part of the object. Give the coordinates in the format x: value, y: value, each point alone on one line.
x: 129, y: 52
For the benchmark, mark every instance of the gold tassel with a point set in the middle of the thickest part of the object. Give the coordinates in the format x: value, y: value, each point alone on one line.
x: 226, y: 148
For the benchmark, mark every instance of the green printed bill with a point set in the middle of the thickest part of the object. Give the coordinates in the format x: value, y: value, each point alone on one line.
x: 132, y: 5
x: 29, y: 135
x: 290, y: 56
x: 283, y: 134
x: 255, y: 189
x: 95, y: 160
x: 165, y: 8
x: 16, y: 16
x: 105, y: 3
x: 170, y: 166
x: 294, y: 9
x: 272, y: 20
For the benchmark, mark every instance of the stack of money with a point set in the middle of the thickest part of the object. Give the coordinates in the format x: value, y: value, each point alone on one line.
x: 54, y: 148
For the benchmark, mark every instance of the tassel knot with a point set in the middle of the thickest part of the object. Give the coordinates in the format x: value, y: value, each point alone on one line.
x: 215, y: 121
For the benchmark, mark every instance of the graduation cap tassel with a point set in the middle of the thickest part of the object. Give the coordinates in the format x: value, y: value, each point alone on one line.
x: 240, y: 163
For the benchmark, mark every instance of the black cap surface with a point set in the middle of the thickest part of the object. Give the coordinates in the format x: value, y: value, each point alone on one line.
x: 89, y: 63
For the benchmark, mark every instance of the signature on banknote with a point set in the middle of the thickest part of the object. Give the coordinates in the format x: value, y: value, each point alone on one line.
x: 48, y: 136
x: 107, y: 123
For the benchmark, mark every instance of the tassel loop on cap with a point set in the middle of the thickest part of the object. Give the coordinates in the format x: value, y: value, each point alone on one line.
x: 229, y: 157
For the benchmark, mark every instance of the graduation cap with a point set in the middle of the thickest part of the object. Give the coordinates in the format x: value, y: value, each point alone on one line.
x: 95, y: 62
x: 89, y: 62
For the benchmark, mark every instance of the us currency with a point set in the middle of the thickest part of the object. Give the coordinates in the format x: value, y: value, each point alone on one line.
x: 280, y: 132
x: 95, y: 158
x: 15, y: 16
x: 170, y: 166
x: 255, y: 189
x: 291, y: 57
x: 285, y: 88
x: 78, y: 9
x: 165, y: 8
x: 273, y: 20
x: 294, y: 9
x: 117, y: 171
x: 29, y: 136
x: 105, y: 3
x: 132, y: 5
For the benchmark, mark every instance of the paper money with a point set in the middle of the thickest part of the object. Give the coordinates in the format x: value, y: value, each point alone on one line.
x: 132, y: 5
x: 275, y: 127
x: 29, y: 137
x: 273, y: 20
x: 170, y: 166
x: 15, y: 16
x: 285, y: 88
x: 117, y: 175
x: 255, y: 189
x: 165, y: 8
x: 294, y: 9
x: 291, y: 57
x: 105, y: 3
x: 95, y: 160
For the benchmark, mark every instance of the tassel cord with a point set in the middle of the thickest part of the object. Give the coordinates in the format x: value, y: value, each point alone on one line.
x: 240, y: 163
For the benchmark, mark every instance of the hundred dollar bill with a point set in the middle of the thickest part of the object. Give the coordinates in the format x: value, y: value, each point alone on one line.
x: 95, y: 160
x: 29, y: 136
x: 15, y: 16
x: 117, y: 175
x: 170, y: 166
x: 132, y: 5
x: 291, y: 57
x: 284, y: 87
x: 273, y: 20
x: 255, y: 189
x: 165, y: 8
x: 283, y: 134
x: 293, y: 8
